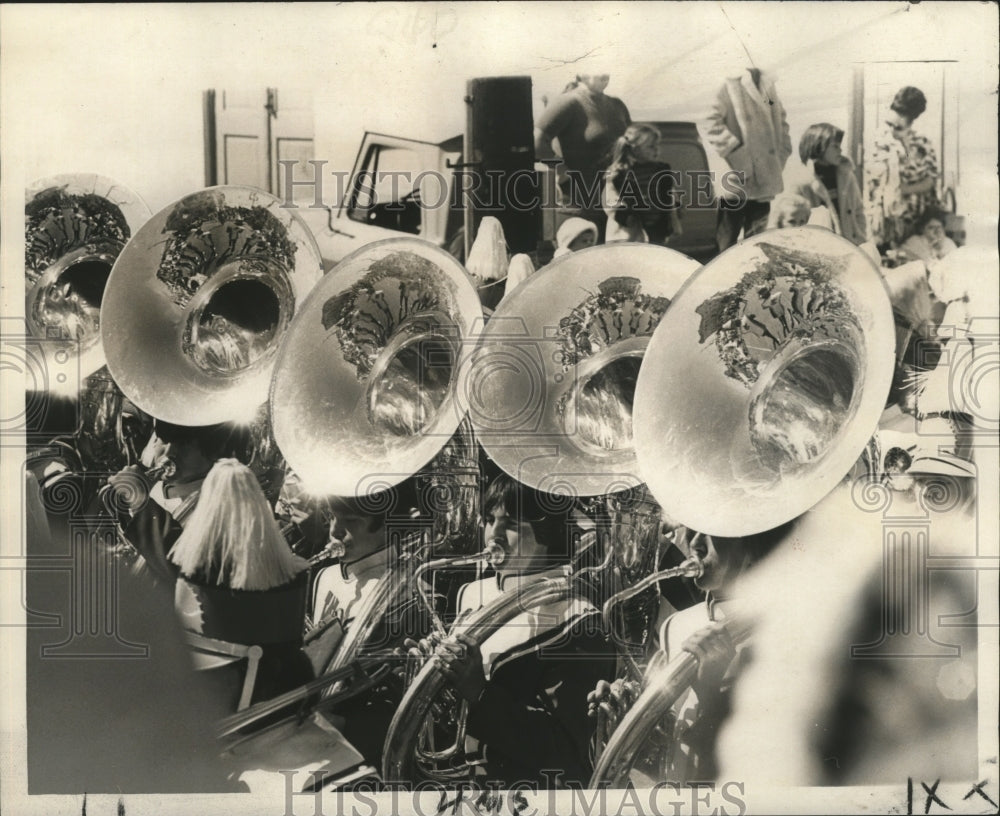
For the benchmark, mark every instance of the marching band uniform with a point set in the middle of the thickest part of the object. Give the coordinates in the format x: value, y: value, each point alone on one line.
x: 339, y: 593
x: 155, y: 524
x: 539, y: 667
x: 341, y: 590
x: 270, y: 618
x: 154, y: 527
x: 346, y: 593
x: 239, y: 583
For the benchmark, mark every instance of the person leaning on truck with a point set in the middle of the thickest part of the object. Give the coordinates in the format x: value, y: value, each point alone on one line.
x: 587, y: 122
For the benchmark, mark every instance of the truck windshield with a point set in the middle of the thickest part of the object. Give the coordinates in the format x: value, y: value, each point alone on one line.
x: 383, y: 193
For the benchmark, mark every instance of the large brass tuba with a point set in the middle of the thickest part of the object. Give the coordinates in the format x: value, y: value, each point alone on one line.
x: 550, y: 387
x: 363, y: 389
x: 784, y: 349
x: 75, y: 228
x: 549, y: 392
x: 784, y: 346
x: 363, y: 399
x: 199, y: 300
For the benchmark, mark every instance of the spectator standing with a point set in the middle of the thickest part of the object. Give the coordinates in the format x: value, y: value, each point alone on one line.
x: 831, y: 182
x: 638, y: 191
x: 901, y: 172
x: 748, y: 128
x: 586, y: 122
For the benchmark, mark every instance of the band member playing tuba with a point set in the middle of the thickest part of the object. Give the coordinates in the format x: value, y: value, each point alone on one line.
x: 367, y: 536
x: 526, y: 685
x: 693, y: 726
x: 365, y: 540
x: 158, y: 496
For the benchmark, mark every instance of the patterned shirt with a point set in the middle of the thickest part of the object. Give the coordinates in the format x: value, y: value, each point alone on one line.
x: 892, y: 164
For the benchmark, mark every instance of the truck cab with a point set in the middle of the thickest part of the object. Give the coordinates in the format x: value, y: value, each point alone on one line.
x: 400, y: 186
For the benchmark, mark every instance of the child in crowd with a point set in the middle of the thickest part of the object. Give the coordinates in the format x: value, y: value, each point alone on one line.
x: 573, y: 235
x: 638, y: 191
x: 789, y: 211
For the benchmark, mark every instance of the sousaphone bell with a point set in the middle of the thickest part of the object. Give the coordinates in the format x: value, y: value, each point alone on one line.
x: 762, y: 387
x: 550, y: 387
x: 75, y: 227
x: 199, y: 300
x: 363, y: 390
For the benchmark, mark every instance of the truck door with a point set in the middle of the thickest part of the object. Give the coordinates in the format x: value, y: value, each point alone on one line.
x: 384, y: 197
x: 500, y: 153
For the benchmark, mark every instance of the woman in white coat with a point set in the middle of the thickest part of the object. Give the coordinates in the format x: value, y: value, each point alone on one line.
x: 748, y: 128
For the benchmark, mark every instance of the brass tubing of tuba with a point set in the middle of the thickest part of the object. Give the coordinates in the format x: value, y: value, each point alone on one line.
x: 493, y: 555
x: 689, y: 568
x: 399, y: 755
x: 661, y: 688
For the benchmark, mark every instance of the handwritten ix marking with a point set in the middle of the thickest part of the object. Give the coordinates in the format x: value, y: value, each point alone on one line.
x: 933, y: 798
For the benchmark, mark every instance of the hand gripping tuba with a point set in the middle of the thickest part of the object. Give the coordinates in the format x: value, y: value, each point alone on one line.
x: 784, y: 346
x: 421, y: 747
x: 663, y: 686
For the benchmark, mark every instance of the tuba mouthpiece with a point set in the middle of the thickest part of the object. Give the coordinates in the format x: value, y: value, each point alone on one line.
x: 494, y: 555
x: 691, y: 567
